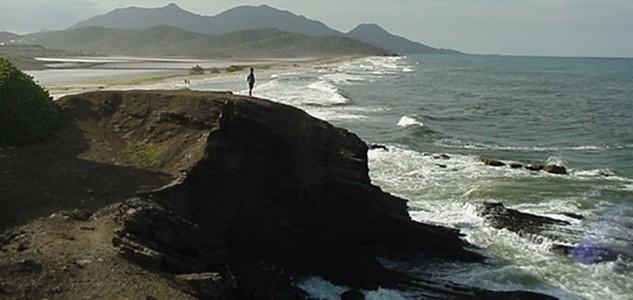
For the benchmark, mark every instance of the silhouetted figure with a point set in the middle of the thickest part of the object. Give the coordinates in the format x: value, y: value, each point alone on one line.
x: 251, y: 82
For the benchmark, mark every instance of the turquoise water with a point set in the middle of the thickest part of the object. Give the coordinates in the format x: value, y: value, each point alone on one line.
x: 570, y: 111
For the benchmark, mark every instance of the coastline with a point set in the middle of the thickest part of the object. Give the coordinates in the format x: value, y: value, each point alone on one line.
x: 414, y: 156
x: 173, y: 79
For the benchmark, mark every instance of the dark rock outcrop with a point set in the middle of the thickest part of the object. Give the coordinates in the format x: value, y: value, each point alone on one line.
x: 284, y: 187
x: 273, y: 196
x: 516, y: 165
x: 550, y: 168
x: 534, y: 167
x: 76, y: 214
x: 493, y: 162
x: 352, y: 295
x: 156, y: 238
x: 555, y: 169
x: 378, y: 147
x: 203, y: 285
x: 574, y: 215
x: 498, y: 216
x: 441, y: 156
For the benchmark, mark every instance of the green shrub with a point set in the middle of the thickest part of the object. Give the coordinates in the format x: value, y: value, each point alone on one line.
x: 197, y: 70
x: 214, y: 71
x: 27, y: 114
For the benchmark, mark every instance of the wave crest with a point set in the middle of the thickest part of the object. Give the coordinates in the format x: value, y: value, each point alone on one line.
x: 408, y: 121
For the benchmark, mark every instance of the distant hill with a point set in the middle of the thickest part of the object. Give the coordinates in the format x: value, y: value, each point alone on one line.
x: 172, y: 41
x: 237, y: 19
x: 249, y: 18
x: 7, y: 37
x: 24, y: 55
x: 377, y: 36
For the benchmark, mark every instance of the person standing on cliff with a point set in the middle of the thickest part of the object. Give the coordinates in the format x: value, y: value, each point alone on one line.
x: 251, y: 82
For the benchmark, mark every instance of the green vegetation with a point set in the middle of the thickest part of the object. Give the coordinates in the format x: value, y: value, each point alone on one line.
x: 214, y: 71
x: 234, y: 69
x: 27, y: 114
x: 197, y: 70
x: 146, y: 155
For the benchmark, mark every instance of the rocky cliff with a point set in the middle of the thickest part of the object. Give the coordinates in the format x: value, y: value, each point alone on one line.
x: 262, y: 195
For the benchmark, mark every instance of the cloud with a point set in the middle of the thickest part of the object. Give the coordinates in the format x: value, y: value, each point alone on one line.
x: 33, y: 15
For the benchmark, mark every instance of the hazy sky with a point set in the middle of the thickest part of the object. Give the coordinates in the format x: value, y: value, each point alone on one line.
x: 532, y: 27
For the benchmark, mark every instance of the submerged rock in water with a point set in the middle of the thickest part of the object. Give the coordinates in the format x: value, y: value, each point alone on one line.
x: 493, y: 162
x: 498, y: 216
x: 535, y: 167
x: 516, y: 165
x: 574, y: 215
x: 555, y: 169
x: 587, y: 253
x: 441, y: 156
x: 378, y: 147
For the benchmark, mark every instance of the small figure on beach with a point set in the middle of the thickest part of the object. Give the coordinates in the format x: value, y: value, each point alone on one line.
x: 251, y: 82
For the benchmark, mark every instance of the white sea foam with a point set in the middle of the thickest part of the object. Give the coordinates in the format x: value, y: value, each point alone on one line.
x: 417, y: 176
x: 443, y: 196
x: 320, y: 288
x: 555, y: 160
x: 322, y: 96
x: 458, y: 143
x: 385, y: 294
x: 331, y: 114
x: 623, y: 183
x: 343, y: 78
x: 407, y: 121
x: 605, y: 172
x: 319, y: 92
x: 376, y: 67
x: 329, y: 92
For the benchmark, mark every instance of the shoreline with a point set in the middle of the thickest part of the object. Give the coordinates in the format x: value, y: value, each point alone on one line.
x: 173, y: 79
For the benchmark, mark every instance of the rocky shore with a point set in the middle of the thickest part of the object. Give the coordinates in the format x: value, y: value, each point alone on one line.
x: 209, y: 196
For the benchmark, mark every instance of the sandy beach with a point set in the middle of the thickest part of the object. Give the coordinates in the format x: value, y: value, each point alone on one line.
x: 69, y: 76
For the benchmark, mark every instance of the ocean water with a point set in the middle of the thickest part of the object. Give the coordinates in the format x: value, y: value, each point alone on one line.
x: 577, y: 112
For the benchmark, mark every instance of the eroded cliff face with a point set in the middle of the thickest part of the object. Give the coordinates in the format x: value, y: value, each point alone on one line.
x: 263, y: 195
x: 282, y: 186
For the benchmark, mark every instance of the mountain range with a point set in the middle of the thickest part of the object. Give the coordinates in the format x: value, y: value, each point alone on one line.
x: 172, y: 41
x: 244, y: 31
x: 250, y: 18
